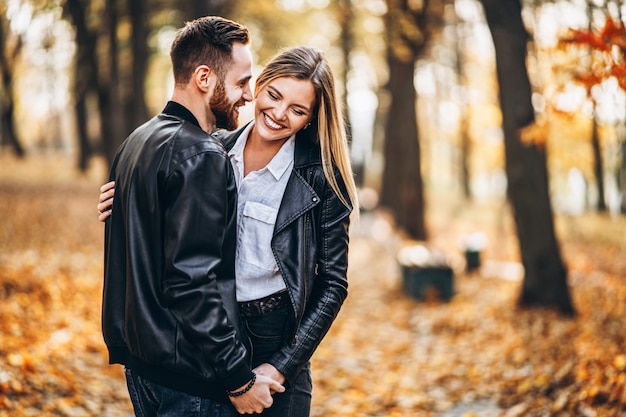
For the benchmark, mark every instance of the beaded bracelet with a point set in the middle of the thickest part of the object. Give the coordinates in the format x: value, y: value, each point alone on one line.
x: 243, y: 391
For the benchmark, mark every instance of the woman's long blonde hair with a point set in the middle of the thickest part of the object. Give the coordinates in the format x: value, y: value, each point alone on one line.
x: 307, y: 63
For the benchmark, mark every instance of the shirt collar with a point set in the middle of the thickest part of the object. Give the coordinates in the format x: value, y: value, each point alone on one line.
x: 283, y: 160
x: 236, y: 152
x: 279, y: 164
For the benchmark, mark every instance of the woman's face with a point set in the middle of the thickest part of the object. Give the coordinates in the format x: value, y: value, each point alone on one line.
x: 283, y: 107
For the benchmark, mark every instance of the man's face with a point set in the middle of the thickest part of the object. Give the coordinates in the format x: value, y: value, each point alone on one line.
x: 234, y: 91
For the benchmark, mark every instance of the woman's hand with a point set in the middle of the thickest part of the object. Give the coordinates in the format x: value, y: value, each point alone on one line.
x: 106, y: 200
x: 269, y: 370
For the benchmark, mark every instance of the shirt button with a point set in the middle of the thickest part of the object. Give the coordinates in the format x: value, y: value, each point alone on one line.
x: 315, y: 199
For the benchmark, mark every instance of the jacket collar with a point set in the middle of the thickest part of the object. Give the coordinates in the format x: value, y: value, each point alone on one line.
x: 178, y: 110
x: 307, y: 150
x: 299, y: 195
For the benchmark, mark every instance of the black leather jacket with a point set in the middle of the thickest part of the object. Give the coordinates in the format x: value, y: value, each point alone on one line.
x: 169, y: 311
x: 310, y: 244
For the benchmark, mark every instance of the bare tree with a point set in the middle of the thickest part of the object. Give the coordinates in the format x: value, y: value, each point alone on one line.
x: 460, y: 27
x: 118, y: 85
x: 345, y: 18
x: 85, y: 77
x: 621, y: 174
x: 598, y: 161
x: 402, y: 188
x: 137, y: 109
x: 114, y: 125
x: 545, y: 279
x: 10, y: 47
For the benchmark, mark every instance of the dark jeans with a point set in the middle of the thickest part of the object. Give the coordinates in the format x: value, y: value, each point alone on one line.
x: 267, y: 332
x: 153, y: 400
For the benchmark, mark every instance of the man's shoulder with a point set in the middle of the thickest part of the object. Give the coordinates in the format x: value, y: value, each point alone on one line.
x: 181, y: 137
x: 190, y: 143
x: 190, y: 135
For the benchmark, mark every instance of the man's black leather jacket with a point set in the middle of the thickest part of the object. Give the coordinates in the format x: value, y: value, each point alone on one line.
x: 169, y: 311
x: 310, y: 244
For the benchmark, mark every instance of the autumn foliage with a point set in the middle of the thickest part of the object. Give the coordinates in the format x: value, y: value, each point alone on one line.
x: 610, y: 43
x: 388, y: 355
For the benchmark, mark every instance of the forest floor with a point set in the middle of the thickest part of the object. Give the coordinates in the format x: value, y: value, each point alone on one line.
x: 386, y: 355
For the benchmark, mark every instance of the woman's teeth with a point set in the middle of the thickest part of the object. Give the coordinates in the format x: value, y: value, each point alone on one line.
x: 271, y: 123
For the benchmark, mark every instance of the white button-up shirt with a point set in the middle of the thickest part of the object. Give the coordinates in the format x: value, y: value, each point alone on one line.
x: 259, y: 196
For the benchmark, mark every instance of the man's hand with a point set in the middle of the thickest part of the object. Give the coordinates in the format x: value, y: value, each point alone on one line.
x: 269, y: 370
x: 259, y: 397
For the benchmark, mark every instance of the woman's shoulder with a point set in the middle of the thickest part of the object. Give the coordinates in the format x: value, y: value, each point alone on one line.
x: 308, y: 151
x: 228, y: 137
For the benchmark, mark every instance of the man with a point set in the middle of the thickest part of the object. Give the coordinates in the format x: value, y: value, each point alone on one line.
x: 169, y: 311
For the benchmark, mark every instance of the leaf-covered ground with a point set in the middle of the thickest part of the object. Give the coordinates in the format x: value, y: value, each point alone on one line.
x: 387, y: 355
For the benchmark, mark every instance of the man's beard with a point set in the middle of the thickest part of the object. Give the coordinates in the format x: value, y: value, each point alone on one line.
x: 223, y: 110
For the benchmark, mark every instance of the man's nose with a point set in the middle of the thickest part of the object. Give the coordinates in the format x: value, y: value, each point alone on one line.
x: 247, y: 93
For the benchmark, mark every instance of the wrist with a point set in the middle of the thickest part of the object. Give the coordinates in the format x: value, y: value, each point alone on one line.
x: 243, y: 390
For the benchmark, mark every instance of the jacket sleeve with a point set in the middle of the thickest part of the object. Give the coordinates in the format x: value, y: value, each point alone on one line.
x: 200, y: 221
x: 329, y: 290
x: 114, y: 286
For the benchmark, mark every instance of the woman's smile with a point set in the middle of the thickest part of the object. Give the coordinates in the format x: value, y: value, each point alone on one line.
x: 271, y: 123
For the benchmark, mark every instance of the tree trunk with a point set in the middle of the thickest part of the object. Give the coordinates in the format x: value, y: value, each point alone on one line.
x: 85, y: 78
x: 466, y: 151
x: 138, y: 110
x: 345, y: 17
x: 402, y: 189
x: 622, y: 176
x: 8, y: 134
x: 463, y: 110
x: 598, y: 166
x: 113, y: 125
x: 545, y: 279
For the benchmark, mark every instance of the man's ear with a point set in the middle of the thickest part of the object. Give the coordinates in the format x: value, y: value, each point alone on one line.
x: 204, y: 78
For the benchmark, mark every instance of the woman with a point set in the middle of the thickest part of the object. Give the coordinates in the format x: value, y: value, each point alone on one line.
x: 296, y: 193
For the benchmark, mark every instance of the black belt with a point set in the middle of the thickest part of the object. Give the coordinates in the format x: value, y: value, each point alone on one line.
x: 272, y: 302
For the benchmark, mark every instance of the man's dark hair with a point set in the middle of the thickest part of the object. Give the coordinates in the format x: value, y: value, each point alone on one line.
x: 205, y: 41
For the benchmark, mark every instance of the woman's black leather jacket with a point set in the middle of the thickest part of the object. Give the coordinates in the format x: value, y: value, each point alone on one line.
x: 310, y: 244
x: 169, y: 310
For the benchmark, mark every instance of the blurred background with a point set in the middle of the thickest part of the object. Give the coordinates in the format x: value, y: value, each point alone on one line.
x: 487, y: 138
x: 77, y: 76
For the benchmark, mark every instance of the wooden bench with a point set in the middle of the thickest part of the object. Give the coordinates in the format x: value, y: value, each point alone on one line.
x: 425, y: 272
